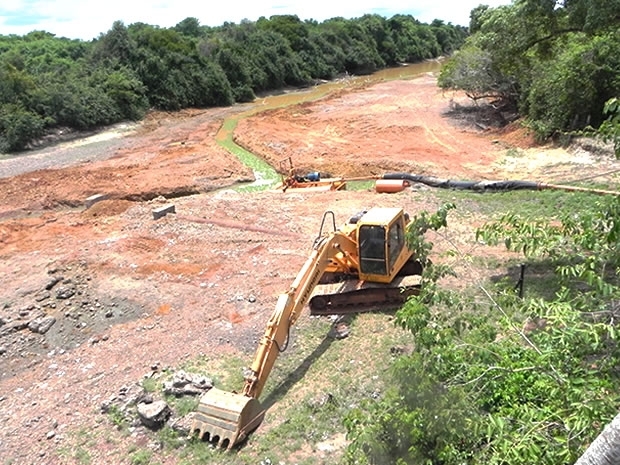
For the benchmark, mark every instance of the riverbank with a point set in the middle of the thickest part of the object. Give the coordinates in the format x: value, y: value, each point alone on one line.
x: 127, y: 293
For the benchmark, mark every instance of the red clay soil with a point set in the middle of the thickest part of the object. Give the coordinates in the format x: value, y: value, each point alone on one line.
x: 171, y: 155
x: 127, y: 291
x: 391, y: 126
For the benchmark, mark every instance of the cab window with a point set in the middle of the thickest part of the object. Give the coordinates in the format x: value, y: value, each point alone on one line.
x: 372, y: 250
x: 396, y: 241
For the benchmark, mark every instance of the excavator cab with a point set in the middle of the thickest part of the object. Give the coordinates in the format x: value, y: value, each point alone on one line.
x: 382, y: 247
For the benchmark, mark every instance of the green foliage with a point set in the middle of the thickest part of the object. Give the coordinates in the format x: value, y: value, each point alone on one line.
x: 117, y: 417
x: 150, y: 384
x: 190, y: 27
x: 556, y: 62
x: 516, y: 381
x: 53, y: 82
x: 610, y: 129
x: 474, y: 71
x: 569, y: 92
x: 141, y: 457
x: 18, y: 126
x: 584, y: 246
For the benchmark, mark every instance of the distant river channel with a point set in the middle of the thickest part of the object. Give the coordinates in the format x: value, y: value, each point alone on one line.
x: 265, y: 174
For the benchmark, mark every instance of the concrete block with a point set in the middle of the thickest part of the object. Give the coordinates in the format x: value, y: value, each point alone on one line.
x: 163, y: 211
x: 93, y: 199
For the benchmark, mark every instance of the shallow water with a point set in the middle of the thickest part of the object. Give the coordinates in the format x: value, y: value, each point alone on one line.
x: 265, y: 174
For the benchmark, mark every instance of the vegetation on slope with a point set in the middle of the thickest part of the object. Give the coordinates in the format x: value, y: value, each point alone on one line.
x: 48, y: 82
x: 556, y: 62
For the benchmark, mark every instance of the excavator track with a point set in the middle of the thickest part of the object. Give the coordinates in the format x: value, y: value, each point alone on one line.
x: 353, y: 296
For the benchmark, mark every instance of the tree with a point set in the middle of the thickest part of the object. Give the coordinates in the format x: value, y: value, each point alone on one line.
x: 234, y: 63
x: 18, y: 127
x: 189, y: 27
x: 116, y: 45
x: 474, y: 71
x: 610, y: 129
x: 289, y: 26
x: 475, y: 18
x: 605, y: 449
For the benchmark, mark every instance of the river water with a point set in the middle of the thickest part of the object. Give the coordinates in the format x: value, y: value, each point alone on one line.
x: 265, y: 174
x: 101, y: 145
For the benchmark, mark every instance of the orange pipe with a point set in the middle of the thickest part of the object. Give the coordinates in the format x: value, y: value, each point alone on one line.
x: 391, y: 186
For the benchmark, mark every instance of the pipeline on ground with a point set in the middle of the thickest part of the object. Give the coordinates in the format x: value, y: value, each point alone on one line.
x: 490, y: 186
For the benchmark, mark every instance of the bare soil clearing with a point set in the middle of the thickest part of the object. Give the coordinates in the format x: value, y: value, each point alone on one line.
x: 404, y: 125
x: 126, y: 291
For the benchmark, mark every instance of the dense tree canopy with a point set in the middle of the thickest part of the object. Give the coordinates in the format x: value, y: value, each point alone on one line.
x: 557, y: 62
x: 48, y: 82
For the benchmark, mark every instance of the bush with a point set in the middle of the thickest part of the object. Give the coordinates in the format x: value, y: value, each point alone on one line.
x: 18, y: 127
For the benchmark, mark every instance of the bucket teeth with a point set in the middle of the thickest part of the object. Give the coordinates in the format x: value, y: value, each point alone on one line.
x: 223, y: 441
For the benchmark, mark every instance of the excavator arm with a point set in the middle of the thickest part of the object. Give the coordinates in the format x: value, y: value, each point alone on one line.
x: 336, y: 249
x: 229, y: 417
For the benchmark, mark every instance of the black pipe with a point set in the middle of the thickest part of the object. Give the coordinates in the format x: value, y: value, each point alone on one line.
x: 479, y: 186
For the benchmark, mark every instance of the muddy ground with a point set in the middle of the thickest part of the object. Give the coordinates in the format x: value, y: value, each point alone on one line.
x: 92, y: 298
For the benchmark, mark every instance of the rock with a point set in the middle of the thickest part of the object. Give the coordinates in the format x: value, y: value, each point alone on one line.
x: 50, y: 434
x: 131, y: 395
x: 183, y: 383
x: 65, y: 292
x: 55, y: 280
x: 397, y: 350
x: 155, y: 414
x: 42, y: 296
x: 3, y: 350
x: 183, y: 425
x: 41, y: 325
x: 106, y: 405
x: 339, y: 331
x: 17, y: 326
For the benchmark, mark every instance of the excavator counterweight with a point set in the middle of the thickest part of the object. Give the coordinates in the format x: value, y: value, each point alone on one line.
x: 364, y: 265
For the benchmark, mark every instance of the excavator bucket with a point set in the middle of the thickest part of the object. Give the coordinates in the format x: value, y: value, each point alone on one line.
x: 226, y: 418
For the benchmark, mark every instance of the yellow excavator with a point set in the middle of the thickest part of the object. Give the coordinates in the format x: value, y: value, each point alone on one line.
x: 364, y: 265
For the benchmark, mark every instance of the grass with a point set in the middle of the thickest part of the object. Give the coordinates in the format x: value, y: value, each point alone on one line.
x: 183, y: 405
x: 79, y: 447
x: 527, y: 203
x: 151, y: 384
x: 117, y: 417
x: 312, y: 386
x: 141, y: 457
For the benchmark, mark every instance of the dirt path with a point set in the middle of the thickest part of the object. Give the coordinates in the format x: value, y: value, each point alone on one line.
x: 126, y: 292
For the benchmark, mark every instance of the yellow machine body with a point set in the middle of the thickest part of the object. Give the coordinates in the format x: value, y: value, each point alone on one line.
x: 369, y: 254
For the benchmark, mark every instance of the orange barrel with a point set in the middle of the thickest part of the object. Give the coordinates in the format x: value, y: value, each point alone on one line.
x: 391, y: 185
